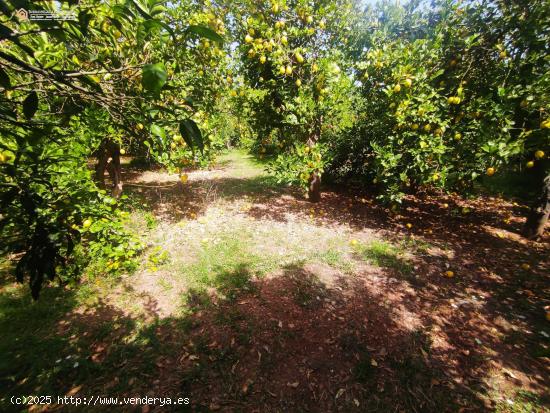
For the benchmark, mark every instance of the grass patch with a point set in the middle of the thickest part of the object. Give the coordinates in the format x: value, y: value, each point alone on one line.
x: 226, y: 264
x: 336, y: 259
x: 33, y: 355
x: 415, y: 244
x: 384, y: 254
x: 257, y: 185
x: 523, y: 402
x: 48, y: 346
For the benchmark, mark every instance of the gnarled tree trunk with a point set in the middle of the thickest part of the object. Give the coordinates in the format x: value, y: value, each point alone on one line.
x: 314, y: 187
x: 538, y: 216
x: 109, y: 159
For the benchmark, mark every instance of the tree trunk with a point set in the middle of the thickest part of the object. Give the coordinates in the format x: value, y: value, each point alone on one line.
x: 109, y: 159
x: 102, y: 160
x: 538, y: 216
x: 117, y: 173
x: 314, y: 187
x: 314, y: 183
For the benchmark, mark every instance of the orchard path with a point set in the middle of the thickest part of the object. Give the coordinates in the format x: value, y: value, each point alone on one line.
x: 248, y: 298
x: 339, y: 306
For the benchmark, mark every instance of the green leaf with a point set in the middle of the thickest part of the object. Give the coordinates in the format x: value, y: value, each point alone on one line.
x: 30, y: 105
x: 191, y: 134
x: 151, y: 24
x: 142, y: 10
x: 205, y: 32
x: 4, y: 79
x: 157, y: 9
x: 153, y: 77
x: 157, y: 24
x: 159, y: 132
x: 84, y: 18
x: 437, y: 74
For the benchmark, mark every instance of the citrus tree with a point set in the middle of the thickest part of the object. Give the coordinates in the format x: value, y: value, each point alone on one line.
x: 446, y: 105
x: 71, y: 88
x: 292, y: 65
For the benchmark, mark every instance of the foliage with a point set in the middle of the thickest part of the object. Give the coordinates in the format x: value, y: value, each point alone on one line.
x: 66, y: 87
x: 402, y: 97
x: 296, y: 165
x: 293, y: 86
x: 443, y: 106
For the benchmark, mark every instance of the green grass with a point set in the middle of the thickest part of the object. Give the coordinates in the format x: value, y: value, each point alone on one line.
x: 224, y: 255
x: 336, y: 258
x: 384, y: 254
x: 415, y: 245
x: 29, y: 345
x: 47, y: 345
x: 248, y: 176
x: 226, y: 264
x: 242, y: 164
x: 523, y: 402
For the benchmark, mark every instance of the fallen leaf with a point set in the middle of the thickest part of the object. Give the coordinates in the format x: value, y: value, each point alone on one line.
x: 509, y: 373
x: 74, y: 390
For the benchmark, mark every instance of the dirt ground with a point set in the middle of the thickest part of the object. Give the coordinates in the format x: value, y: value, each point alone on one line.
x: 310, y: 337
x: 268, y: 303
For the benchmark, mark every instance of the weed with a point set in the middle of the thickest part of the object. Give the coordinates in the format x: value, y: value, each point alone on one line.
x: 384, y: 254
x: 523, y: 402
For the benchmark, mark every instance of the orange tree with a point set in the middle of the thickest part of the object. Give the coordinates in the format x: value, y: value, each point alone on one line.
x: 296, y: 88
x: 69, y: 88
x: 448, y: 102
x: 200, y: 83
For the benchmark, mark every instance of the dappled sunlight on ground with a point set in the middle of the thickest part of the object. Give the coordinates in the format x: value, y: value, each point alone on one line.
x: 249, y: 298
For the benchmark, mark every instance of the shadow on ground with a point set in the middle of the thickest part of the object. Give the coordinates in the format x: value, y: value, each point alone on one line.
x: 488, y: 318
x: 298, y: 341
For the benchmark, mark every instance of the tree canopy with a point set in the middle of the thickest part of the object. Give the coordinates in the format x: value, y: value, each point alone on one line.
x: 396, y: 98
